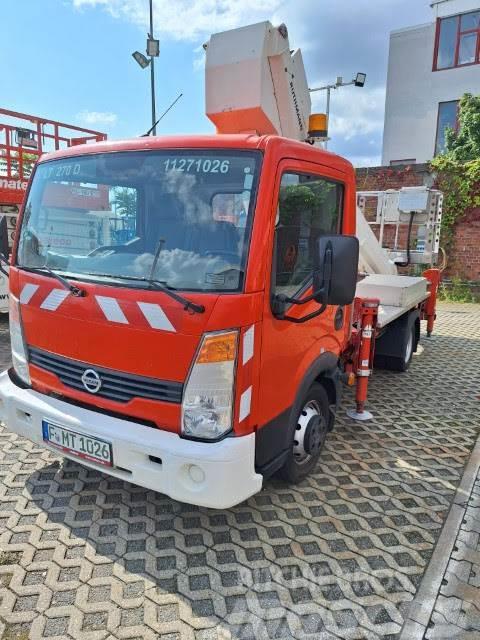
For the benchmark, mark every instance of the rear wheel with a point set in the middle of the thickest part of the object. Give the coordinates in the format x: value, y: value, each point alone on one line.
x: 308, y: 435
x: 405, y: 337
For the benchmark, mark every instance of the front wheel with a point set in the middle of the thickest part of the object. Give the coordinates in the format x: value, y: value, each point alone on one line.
x: 308, y: 435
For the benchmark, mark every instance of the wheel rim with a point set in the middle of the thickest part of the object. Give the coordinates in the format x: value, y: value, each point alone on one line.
x: 409, y: 348
x: 309, y: 411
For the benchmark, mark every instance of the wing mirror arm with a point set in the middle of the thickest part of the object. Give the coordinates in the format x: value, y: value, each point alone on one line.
x: 310, y: 316
x: 320, y: 295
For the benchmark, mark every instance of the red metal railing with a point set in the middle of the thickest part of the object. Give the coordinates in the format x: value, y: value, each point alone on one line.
x: 24, y: 138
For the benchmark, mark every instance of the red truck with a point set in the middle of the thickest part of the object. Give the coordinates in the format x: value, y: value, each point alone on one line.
x: 200, y: 344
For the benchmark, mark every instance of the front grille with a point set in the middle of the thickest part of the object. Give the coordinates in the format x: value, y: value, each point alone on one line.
x: 116, y: 385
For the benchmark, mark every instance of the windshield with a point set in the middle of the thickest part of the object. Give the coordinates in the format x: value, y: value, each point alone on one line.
x: 179, y: 217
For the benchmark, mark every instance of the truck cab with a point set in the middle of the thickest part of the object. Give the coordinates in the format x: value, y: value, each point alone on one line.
x: 179, y: 308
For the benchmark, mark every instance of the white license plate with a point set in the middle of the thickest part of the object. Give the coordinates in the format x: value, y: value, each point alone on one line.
x: 78, y: 444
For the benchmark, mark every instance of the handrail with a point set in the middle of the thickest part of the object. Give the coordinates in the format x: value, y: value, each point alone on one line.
x: 17, y: 156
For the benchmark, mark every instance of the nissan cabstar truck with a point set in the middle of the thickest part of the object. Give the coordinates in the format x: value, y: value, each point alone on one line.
x: 198, y: 342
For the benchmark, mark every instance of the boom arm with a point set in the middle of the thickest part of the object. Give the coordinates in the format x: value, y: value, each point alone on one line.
x: 253, y: 83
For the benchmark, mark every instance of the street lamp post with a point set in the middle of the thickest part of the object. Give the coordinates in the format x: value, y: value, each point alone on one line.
x: 152, y: 70
x: 358, y: 81
x: 153, y: 51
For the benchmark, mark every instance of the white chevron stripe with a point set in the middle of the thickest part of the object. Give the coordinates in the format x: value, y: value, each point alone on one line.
x: 111, y: 309
x: 156, y: 316
x: 248, y: 344
x: 27, y: 293
x: 54, y: 299
x: 245, y: 402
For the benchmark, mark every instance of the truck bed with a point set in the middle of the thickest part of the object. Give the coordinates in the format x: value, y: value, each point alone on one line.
x: 397, y: 294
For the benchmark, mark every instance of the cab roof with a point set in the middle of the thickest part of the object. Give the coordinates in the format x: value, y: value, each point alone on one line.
x: 273, y: 143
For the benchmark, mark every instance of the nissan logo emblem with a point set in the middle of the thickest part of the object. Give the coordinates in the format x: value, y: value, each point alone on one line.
x: 91, y: 381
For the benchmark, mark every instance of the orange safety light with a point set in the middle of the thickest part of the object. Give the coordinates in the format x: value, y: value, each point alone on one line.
x: 318, y: 125
x: 351, y: 379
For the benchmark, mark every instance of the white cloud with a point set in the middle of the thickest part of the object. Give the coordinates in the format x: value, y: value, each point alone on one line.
x: 105, y: 118
x: 337, y: 38
x: 365, y: 161
x: 353, y: 111
x: 187, y: 19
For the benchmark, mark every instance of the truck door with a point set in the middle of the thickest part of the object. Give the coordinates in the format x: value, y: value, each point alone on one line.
x: 308, y: 201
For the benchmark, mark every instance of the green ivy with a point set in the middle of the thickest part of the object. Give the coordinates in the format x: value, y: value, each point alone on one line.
x: 456, y: 291
x: 458, y: 168
x: 460, y: 184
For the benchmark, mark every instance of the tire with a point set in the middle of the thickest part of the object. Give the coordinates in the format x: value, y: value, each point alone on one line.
x: 407, y: 338
x: 305, y: 450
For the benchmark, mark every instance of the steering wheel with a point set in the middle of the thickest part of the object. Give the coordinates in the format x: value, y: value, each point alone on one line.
x: 105, y: 247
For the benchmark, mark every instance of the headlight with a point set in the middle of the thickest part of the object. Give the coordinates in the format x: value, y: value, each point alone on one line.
x: 208, y: 396
x: 19, y: 351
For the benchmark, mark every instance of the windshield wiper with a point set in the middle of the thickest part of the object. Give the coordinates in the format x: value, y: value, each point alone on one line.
x: 163, y: 286
x: 73, y: 289
x: 159, y: 285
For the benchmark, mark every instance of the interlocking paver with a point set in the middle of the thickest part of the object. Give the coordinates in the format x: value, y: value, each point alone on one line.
x: 341, y: 555
x: 457, y: 608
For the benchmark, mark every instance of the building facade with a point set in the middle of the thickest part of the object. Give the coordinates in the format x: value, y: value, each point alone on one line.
x: 430, y: 67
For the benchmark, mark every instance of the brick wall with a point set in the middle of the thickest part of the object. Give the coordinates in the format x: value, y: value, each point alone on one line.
x: 464, y: 257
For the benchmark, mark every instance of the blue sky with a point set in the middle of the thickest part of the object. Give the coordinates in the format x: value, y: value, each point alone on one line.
x: 70, y: 60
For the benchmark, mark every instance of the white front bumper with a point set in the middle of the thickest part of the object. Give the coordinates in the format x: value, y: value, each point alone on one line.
x: 228, y: 466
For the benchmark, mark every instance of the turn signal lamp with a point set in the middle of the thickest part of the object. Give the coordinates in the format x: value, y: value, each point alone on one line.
x: 318, y: 125
x: 17, y: 340
x: 220, y: 347
x: 207, y: 406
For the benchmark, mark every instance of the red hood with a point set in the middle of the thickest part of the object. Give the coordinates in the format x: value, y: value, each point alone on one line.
x: 126, y: 330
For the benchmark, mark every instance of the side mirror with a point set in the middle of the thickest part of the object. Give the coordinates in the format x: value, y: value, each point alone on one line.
x: 335, y: 275
x: 4, y: 248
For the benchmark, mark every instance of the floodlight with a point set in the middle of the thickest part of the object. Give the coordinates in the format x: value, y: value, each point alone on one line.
x: 142, y: 60
x: 360, y: 79
x: 153, y: 47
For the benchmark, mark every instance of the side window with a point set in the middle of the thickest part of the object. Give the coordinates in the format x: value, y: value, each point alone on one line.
x: 309, y: 206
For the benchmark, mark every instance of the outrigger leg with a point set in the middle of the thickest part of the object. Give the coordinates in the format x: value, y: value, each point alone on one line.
x: 367, y: 320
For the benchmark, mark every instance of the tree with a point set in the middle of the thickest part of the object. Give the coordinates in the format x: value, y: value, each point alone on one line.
x: 126, y: 201
x: 464, y: 145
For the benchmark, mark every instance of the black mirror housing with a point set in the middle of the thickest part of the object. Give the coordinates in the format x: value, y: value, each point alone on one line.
x: 336, y: 272
x: 4, y: 247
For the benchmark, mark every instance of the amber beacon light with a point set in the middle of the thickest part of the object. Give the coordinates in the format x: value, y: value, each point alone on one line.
x: 318, y: 125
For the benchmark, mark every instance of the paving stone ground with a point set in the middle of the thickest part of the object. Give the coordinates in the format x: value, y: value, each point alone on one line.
x: 456, y: 615
x: 341, y: 555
